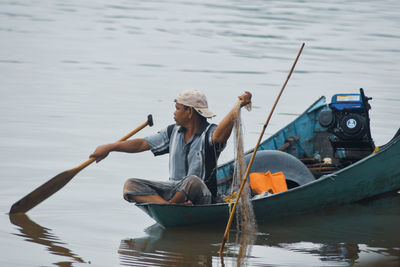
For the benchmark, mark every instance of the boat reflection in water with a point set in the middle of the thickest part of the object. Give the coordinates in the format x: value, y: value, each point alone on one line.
x: 363, y: 233
x: 36, y: 233
x: 181, y: 246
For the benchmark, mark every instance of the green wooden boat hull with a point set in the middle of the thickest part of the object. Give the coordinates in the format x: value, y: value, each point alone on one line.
x: 376, y: 174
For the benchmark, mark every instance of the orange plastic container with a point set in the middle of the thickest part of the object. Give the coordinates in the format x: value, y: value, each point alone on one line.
x: 262, y: 182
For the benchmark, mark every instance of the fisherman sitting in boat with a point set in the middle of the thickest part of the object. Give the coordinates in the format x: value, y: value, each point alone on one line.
x: 194, y: 146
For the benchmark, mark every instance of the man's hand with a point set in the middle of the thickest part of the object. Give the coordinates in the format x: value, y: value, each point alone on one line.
x: 245, y: 99
x: 129, y: 146
x: 224, y: 128
x: 101, y: 152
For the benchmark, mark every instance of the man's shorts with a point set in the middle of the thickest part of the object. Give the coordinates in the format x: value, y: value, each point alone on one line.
x: 191, y: 186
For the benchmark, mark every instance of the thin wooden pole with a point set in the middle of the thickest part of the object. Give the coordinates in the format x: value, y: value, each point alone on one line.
x: 244, y: 179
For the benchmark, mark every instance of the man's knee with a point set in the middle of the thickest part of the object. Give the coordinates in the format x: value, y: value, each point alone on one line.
x: 196, y: 190
x: 193, y: 180
x: 129, y: 186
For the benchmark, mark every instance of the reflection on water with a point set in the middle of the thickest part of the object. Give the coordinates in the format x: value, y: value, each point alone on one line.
x: 183, y: 246
x: 362, y: 234
x: 38, y: 234
x: 161, y: 247
x: 337, y: 237
x: 345, y: 233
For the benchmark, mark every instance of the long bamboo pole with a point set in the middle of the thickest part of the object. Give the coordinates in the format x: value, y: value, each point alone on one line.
x: 244, y: 179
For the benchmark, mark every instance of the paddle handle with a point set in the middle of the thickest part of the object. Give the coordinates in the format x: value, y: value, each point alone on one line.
x: 125, y: 137
x: 148, y: 122
x: 244, y: 179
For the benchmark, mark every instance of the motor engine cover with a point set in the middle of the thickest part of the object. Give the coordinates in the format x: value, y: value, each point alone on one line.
x: 352, y: 126
x: 347, y: 117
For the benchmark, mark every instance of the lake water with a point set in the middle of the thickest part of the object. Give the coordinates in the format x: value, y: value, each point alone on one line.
x: 77, y: 74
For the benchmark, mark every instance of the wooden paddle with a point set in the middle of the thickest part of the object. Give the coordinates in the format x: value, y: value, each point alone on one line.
x: 244, y: 179
x: 56, y: 183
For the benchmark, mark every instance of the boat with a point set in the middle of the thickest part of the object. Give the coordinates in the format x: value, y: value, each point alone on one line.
x: 328, y: 158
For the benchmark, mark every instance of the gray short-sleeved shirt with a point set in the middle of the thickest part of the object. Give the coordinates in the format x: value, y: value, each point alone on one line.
x: 187, y: 158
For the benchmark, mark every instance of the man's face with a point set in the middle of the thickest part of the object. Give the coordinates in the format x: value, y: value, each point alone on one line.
x: 181, y: 114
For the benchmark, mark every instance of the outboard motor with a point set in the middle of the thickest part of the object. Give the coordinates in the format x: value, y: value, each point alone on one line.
x: 347, y: 119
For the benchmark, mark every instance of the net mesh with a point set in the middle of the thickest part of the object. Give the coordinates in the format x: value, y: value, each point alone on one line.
x: 245, y: 219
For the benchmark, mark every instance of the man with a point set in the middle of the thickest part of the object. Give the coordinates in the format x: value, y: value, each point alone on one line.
x: 194, y: 146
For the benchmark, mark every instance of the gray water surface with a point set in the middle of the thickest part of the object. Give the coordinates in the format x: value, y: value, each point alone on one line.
x: 77, y: 74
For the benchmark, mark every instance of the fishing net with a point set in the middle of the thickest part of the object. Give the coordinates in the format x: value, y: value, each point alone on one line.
x: 245, y: 219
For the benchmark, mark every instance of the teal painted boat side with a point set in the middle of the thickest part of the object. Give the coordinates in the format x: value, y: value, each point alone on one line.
x: 305, y: 127
x: 181, y: 215
x: 377, y: 174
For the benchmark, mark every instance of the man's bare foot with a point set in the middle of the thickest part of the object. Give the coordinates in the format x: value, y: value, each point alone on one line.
x: 186, y: 203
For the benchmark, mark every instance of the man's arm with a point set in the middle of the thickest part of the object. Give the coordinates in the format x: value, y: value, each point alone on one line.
x: 224, y: 128
x: 129, y: 146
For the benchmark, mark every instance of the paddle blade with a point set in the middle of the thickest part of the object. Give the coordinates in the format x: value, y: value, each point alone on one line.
x: 43, y: 192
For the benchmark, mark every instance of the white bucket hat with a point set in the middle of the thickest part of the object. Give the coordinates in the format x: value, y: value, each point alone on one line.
x: 196, y: 100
